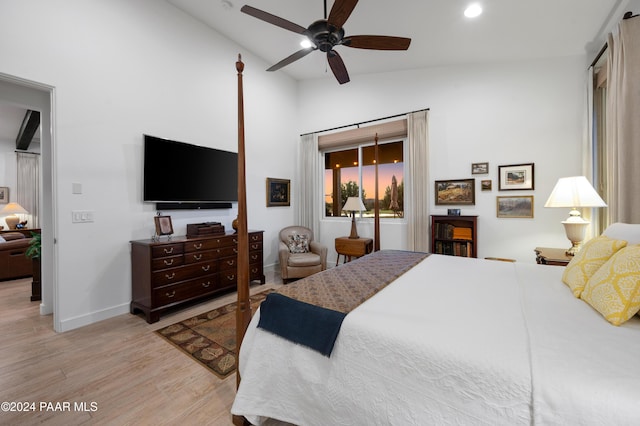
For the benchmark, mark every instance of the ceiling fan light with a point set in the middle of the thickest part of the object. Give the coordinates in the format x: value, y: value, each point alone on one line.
x: 473, y: 10
x: 306, y: 43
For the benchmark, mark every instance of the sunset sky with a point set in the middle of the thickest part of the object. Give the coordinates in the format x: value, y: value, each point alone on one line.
x: 385, y: 172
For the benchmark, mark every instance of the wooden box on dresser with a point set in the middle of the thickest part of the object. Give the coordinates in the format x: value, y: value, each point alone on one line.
x: 168, y: 273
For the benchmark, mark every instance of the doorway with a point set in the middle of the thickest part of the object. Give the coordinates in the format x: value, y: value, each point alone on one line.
x: 39, y: 97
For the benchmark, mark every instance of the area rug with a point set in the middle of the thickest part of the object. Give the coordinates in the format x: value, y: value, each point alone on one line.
x: 210, y: 338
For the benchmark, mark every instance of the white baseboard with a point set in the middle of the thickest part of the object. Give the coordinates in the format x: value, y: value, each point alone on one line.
x: 93, y: 317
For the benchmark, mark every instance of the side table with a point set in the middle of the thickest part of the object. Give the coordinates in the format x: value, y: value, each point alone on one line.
x: 552, y: 256
x: 353, y: 247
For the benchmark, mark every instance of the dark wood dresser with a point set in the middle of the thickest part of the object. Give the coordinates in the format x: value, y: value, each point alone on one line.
x: 168, y: 273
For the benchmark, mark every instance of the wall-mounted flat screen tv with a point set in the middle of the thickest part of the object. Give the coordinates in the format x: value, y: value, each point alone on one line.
x: 185, y: 173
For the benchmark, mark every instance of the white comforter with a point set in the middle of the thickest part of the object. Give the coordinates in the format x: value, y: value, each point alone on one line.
x: 453, y: 341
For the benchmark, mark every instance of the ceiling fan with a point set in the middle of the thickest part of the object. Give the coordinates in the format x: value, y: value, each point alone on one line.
x: 325, y: 34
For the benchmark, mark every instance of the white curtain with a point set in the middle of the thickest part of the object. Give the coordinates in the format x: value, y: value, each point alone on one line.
x: 28, y: 188
x: 417, y: 213
x: 587, y: 148
x: 623, y: 123
x: 309, y: 186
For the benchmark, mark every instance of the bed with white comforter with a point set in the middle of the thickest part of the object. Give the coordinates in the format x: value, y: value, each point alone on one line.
x: 453, y: 341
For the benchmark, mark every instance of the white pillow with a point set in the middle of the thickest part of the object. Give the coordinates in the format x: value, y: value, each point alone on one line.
x: 630, y: 232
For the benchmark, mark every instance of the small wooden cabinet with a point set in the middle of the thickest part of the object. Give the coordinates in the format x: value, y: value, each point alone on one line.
x: 552, y: 256
x: 165, y: 274
x: 353, y: 247
x: 454, y: 235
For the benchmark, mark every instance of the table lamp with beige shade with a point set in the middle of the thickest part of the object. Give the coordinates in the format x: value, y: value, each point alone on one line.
x: 574, y: 192
x: 353, y: 205
x: 11, y: 211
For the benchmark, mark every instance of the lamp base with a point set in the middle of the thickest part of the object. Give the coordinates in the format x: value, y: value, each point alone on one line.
x: 575, y: 228
x: 12, y: 221
x: 354, y: 231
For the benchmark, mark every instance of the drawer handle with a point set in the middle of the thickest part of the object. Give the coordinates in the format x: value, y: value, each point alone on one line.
x: 231, y: 262
x: 254, y: 237
x: 231, y: 277
x: 235, y: 250
x: 197, y: 256
x: 254, y: 256
x: 254, y: 246
x: 170, y: 295
x: 168, y: 250
x: 206, y: 285
x: 197, y: 246
x: 169, y: 262
x: 235, y: 241
x: 206, y: 268
x: 254, y: 270
x: 170, y: 277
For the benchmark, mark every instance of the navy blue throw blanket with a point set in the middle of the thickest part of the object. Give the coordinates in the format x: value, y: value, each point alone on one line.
x: 300, y: 322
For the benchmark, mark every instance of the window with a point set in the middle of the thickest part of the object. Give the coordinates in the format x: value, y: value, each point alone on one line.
x: 351, y: 172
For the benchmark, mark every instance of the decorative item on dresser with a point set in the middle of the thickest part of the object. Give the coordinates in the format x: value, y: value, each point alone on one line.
x: 166, y: 274
x: 454, y: 235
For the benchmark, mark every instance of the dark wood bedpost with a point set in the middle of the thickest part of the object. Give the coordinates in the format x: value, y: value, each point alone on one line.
x: 376, y: 202
x: 243, y: 311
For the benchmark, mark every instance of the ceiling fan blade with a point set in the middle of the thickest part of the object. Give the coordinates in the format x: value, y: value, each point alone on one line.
x: 292, y: 58
x: 337, y: 66
x: 272, y: 19
x: 340, y: 12
x: 377, y: 42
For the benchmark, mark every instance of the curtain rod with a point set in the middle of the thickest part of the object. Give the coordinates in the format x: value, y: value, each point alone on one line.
x: 364, y: 122
x: 627, y: 15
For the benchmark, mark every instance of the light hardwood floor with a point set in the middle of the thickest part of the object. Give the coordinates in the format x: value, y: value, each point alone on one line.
x: 119, y: 368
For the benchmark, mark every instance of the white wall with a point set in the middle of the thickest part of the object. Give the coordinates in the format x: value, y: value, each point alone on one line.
x: 121, y: 69
x: 511, y: 113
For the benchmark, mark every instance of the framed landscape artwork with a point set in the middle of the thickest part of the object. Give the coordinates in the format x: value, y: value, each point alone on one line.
x: 515, y: 177
x: 515, y: 207
x: 452, y: 192
x: 479, y: 168
x: 278, y: 192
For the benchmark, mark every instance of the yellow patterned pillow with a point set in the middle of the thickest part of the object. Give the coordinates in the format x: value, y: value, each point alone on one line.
x: 588, y: 260
x: 614, y: 290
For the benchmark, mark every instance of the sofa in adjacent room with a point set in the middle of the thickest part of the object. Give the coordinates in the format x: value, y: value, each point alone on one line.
x: 13, y: 261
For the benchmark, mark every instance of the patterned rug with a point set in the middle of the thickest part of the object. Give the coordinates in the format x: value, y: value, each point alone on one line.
x: 210, y: 338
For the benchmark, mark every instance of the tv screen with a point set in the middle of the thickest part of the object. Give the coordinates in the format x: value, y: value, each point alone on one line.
x: 181, y: 172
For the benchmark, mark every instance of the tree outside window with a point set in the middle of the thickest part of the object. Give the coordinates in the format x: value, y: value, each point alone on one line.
x: 351, y: 173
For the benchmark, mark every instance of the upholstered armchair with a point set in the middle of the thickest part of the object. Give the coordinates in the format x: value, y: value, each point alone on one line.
x: 299, y: 255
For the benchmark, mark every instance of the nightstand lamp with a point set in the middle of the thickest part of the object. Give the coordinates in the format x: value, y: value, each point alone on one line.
x: 353, y: 205
x: 10, y: 211
x: 574, y: 192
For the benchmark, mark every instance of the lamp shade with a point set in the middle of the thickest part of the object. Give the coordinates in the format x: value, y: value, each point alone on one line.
x: 575, y: 191
x: 353, y: 204
x: 13, y: 208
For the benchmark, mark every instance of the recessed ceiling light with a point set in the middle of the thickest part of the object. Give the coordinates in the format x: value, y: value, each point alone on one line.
x: 473, y: 10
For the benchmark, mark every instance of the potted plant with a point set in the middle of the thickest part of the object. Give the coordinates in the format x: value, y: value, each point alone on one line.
x: 33, y: 252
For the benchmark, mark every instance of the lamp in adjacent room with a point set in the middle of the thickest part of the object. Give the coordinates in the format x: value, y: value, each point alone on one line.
x: 574, y: 192
x: 353, y: 205
x: 10, y: 211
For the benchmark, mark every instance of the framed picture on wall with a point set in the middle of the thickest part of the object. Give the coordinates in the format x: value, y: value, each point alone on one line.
x: 451, y: 192
x: 520, y: 206
x: 515, y: 177
x: 278, y: 192
x: 479, y: 168
x: 4, y: 194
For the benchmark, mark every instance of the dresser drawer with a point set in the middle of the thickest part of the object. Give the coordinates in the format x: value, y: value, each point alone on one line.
x: 200, y: 256
x: 255, y: 257
x: 167, y: 250
x: 253, y: 238
x: 184, y: 290
x: 166, y: 262
x: 209, y: 243
x: 182, y: 273
x: 255, y: 246
x: 256, y: 272
x: 227, y: 251
x: 228, y: 263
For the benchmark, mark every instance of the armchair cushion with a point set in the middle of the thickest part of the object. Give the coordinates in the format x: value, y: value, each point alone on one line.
x: 297, y: 260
